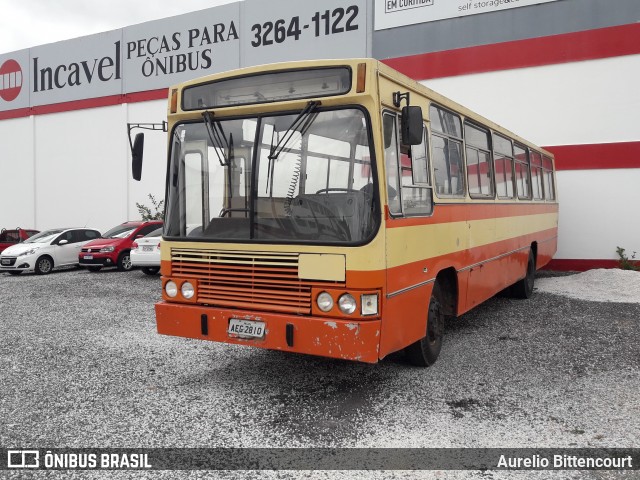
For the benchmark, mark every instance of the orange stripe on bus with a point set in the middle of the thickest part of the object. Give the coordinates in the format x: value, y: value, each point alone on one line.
x: 408, y: 275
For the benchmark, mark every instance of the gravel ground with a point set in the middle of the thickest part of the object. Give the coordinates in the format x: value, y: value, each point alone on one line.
x: 82, y: 366
x: 603, y: 285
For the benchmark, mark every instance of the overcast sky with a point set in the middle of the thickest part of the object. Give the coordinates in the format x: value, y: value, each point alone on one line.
x: 27, y: 23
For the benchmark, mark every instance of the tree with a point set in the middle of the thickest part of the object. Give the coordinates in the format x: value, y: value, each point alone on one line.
x: 147, y: 214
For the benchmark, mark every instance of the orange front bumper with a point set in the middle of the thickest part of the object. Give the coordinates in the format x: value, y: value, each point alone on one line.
x: 328, y: 337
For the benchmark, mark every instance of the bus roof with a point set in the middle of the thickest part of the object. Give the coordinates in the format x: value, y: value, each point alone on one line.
x: 374, y: 68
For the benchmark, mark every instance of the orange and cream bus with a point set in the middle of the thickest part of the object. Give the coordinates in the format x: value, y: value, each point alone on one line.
x: 339, y: 208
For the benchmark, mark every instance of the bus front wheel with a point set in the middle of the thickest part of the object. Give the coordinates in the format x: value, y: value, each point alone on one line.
x: 425, y: 351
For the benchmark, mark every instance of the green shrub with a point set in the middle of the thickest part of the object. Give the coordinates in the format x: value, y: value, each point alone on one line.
x: 147, y: 214
x: 626, y: 263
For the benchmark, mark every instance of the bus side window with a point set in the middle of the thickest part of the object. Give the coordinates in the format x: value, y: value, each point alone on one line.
x: 391, y: 160
x: 416, y: 183
x: 522, y: 172
x: 479, y: 170
x: 549, y: 187
x: 536, y: 175
x: 448, y: 166
x: 503, y: 161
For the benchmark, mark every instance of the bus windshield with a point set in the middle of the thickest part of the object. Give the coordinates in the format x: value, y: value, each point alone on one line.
x: 291, y: 177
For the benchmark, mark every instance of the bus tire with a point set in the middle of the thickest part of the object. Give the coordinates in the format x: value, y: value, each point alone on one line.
x: 523, y: 289
x: 425, y: 351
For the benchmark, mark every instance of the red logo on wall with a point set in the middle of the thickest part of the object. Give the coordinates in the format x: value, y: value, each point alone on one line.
x: 10, y: 80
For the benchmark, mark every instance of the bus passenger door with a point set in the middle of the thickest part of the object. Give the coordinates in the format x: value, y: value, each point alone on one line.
x: 409, y: 194
x: 394, y: 242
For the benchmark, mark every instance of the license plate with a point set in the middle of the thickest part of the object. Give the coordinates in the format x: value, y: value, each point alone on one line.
x: 246, y: 328
x: 147, y: 248
x: 88, y: 257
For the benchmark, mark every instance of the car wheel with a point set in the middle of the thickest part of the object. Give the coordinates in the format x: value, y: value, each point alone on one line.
x: 94, y: 269
x: 151, y: 270
x: 44, y: 265
x: 124, y: 262
x: 523, y: 289
x: 16, y: 272
x: 425, y: 351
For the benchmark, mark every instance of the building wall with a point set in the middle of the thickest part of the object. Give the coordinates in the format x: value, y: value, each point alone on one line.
x: 562, y: 74
x: 599, y: 215
x: 73, y: 168
x: 17, y: 173
x: 587, y: 102
x: 535, y: 21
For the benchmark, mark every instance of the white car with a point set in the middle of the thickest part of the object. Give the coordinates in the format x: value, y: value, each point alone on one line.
x: 46, y: 250
x: 145, y: 252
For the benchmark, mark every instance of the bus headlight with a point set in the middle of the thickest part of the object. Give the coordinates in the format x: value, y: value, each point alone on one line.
x: 325, y: 302
x: 171, y: 289
x: 187, y: 290
x: 347, y: 304
x: 369, y: 304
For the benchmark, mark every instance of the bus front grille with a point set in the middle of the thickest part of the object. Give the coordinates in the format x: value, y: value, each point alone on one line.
x: 245, y: 280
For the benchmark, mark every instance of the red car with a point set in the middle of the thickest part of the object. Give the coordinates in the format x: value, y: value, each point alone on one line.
x: 11, y: 237
x: 114, y: 247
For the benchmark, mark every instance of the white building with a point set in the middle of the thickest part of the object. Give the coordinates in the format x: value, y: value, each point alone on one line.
x: 561, y: 73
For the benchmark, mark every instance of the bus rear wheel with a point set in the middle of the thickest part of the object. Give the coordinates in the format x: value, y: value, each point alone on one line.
x: 425, y: 351
x: 523, y: 289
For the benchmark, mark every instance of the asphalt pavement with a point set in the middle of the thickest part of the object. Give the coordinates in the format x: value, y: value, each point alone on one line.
x: 81, y: 365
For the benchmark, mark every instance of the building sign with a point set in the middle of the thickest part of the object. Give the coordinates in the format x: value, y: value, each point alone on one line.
x: 11, y: 80
x: 168, y: 51
x: 76, y: 69
x: 398, y: 13
x: 282, y: 30
x: 155, y: 55
x: 14, y: 80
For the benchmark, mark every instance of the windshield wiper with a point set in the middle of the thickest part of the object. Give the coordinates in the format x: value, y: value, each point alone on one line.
x: 218, y: 138
x: 302, y: 122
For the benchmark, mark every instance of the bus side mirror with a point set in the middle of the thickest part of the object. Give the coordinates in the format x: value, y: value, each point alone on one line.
x: 137, y: 152
x: 411, y: 125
